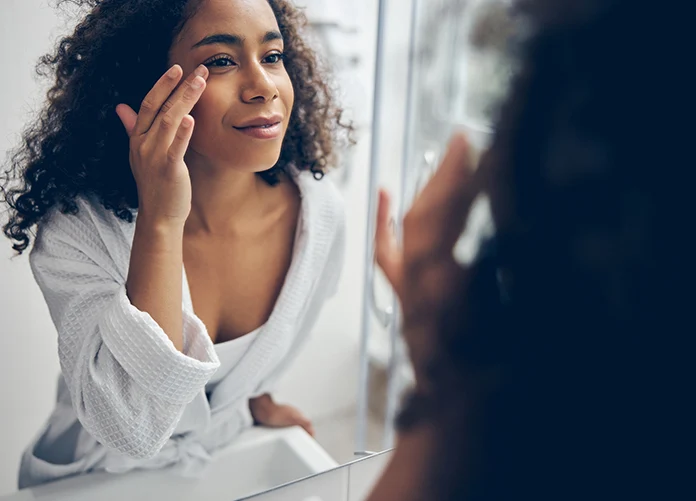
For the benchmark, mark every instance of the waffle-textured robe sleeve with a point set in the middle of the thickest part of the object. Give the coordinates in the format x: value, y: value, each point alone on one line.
x: 129, y: 384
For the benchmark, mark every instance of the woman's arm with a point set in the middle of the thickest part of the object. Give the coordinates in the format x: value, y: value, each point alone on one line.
x: 155, y: 275
x: 159, y: 136
x: 424, y: 275
x: 127, y: 381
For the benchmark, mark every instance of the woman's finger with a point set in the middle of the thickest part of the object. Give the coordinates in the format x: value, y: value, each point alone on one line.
x: 179, y: 104
x: 178, y: 148
x: 441, y: 210
x: 154, y: 99
x: 387, y: 252
x: 128, y: 117
x: 307, y: 425
x: 453, y: 175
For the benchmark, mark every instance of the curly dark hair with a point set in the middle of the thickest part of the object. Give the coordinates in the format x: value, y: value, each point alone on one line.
x: 562, y: 368
x: 78, y: 147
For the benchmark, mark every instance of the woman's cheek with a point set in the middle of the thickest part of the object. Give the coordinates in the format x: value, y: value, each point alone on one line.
x: 290, y: 91
x: 208, y: 120
x: 202, y: 110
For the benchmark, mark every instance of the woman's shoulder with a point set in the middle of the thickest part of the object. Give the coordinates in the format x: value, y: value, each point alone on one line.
x: 323, y: 199
x: 85, y: 225
x: 325, y: 211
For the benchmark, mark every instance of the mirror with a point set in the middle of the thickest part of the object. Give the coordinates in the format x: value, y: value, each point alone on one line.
x: 349, y: 371
x: 321, y: 380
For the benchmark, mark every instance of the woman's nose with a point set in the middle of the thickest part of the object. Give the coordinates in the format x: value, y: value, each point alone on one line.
x: 258, y: 86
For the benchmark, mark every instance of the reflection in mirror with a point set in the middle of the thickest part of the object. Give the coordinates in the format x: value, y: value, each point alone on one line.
x: 196, y: 285
x: 444, y: 65
x: 214, y: 329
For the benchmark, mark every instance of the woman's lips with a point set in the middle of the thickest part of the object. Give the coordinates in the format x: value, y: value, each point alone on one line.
x: 262, y: 131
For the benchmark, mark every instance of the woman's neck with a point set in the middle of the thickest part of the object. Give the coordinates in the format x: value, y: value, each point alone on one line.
x: 224, y: 200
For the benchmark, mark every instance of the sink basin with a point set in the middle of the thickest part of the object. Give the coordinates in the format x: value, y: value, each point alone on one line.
x: 258, y: 460
x: 268, y: 458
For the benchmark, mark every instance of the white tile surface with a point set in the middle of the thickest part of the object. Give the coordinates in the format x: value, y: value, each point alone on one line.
x: 364, y: 474
x: 330, y: 486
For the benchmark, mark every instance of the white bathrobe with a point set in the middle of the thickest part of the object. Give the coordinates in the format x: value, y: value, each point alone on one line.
x: 126, y: 397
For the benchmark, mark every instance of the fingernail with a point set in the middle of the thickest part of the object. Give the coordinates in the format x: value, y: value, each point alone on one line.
x: 197, y: 83
x: 201, y: 71
x: 173, y: 71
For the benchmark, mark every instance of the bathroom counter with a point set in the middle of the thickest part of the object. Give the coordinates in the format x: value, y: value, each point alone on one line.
x: 260, y: 459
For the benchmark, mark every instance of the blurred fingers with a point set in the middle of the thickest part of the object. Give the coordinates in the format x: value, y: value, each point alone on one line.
x: 387, y: 252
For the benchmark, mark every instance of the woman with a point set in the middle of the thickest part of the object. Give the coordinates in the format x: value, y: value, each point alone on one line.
x: 182, y: 287
x: 557, y: 365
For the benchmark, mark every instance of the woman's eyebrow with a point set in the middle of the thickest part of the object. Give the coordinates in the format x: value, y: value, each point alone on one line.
x: 235, y: 40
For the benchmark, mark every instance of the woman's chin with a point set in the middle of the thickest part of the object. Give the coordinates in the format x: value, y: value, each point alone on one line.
x: 231, y: 159
x: 259, y: 165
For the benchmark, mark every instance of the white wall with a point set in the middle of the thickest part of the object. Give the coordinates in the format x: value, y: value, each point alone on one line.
x: 28, y: 361
x: 322, y: 382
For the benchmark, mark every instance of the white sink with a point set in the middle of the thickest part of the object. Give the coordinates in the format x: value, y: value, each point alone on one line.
x: 260, y: 459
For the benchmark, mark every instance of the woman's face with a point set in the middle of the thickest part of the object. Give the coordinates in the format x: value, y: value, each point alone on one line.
x: 243, y: 114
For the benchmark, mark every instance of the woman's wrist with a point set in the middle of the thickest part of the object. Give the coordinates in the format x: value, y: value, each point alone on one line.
x: 260, y: 407
x: 159, y: 225
x: 158, y: 236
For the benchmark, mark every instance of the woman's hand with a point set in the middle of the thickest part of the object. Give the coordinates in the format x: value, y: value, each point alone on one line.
x: 268, y: 413
x: 159, y: 136
x: 423, y: 272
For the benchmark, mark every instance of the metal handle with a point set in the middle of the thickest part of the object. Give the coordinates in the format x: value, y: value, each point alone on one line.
x: 396, y: 358
x: 363, y: 383
x: 363, y: 454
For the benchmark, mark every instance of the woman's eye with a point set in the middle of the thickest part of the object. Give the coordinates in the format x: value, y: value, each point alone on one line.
x: 221, y: 62
x: 274, y: 58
